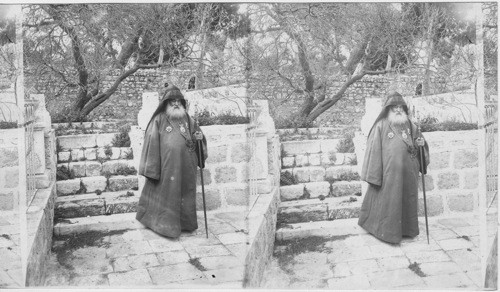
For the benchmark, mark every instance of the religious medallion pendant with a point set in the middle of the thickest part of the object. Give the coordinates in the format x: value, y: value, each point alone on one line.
x: 404, y: 135
x: 168, y: 129
x: 390, y: 135
x: 183, y: 130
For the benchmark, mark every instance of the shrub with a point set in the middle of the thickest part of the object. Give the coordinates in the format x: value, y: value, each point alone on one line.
x: 346, y: 145
x: 129, y: 154
x: 349, y: 176
x: 8, y: 125
x: 63, y: 173
x: 122, y: 139
x: 291, y: 122
x: 286, y: 179
x: 431, y: 124
x: 108, y: 151
x: 205, y: 118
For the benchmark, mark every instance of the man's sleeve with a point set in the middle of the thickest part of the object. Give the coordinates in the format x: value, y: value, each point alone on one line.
x: 372, y: 170
x: 150, y: 164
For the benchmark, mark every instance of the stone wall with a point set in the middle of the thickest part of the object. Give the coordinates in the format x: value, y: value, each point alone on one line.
x: 9, y: 169
x: 452, y: 179
x: 351, y: 107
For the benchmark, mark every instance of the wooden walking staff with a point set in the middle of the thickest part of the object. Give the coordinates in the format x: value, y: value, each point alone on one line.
x: 421, y: 143
x: 201, y: 164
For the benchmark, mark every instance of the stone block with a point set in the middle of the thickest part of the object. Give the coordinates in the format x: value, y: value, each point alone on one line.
x: 78, y: 168
x: 6, y: 200
x: 174, y: 273
x: 303, y: 213
x: 448, y: 180
x: 429, y: 183
x: 64, y: 156
x: 293, y: 192
x: 134, y: 278
x: 116, y: 152
x: 465, y: 158
x: 315, y: 159
x: 240, y: 152
x: 225, y: 174
x: 212, y: 199
x: 471, y: 179
x: 434, y: 206
x: 340, y: 189
x: 93, y: 168
x: 316, y: 173
x: 104, y: 139
x: 9, y: 157
x: 329, y: 145
x: 207, y: 177
x: 217, y: 154
x: 343, y: 213
x: 301, y: 174
x: 94, y: 183
x: 301, y: 160
x: 112, y: 166
x: 439, y: 160
x: 301, y: 147
x: 342, y: 173
x: 122, y: 182
x: 288, y: 161
x: 237, y: 196
x: 77, y: 155
x: 90, y: 154
x: 337, y: 158
x: 79, y: 208
x: 68, y: 187
x: 77, y: 141
x: 11, y: 177
x: 317, y: 189
x: 461, y: 203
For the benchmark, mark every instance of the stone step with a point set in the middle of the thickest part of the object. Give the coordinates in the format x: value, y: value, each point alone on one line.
x: 94, y: 154
x: 97, y: 223
x: 95, y: 168
x: 315, y: 159
x: 67, y: 142
x: 93, y: 184
x: 318, y: 210
x: 339, y: 227
x: 314, y: 190
x: 291, y: 148
x: 319, y: 173
x: 94, y: 205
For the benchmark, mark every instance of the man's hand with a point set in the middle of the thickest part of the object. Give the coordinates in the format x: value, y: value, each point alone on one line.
x: 420, y: 141
x: 198, y: 135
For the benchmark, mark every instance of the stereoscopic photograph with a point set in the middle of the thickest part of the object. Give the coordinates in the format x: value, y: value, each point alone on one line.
x: 249, y: 145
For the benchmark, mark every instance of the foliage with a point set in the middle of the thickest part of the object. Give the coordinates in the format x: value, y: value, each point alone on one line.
x: 205, y: 118
x: 8, y: 125
x: 431, y: 124
x: 126, y: 170
x: 287, y: 179
x: 108, y: 151
x: 291, y: 122
x: 129, y: 154
x: 298, y: 46
x: 79, y: 45
x: 346, y: 144
x: 63, y: 173
x: 122, y: 139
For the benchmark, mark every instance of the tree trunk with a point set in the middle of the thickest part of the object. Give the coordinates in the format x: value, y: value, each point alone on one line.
x: 430, y: 49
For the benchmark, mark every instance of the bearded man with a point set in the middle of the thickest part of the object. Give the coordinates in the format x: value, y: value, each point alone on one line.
x: 168, y: 161
x: 391, y: 167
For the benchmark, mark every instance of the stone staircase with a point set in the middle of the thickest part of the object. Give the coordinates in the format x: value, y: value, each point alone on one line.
x: 94, y: 179
x: 318, y: 183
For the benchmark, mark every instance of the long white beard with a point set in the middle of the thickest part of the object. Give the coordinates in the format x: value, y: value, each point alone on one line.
x: 176, y: 113
x: 397, y: 119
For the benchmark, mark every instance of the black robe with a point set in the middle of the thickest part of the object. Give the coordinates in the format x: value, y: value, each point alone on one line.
x: 389, y: 209
x: 168, y: 200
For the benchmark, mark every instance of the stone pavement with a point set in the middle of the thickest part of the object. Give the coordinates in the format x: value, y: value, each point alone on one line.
x: 10, y: 253
x: 341, y: 255
x: 141, y: 258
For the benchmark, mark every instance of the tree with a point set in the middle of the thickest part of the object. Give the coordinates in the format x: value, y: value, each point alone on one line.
x: 311, y: 46
x: 82, y: 44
